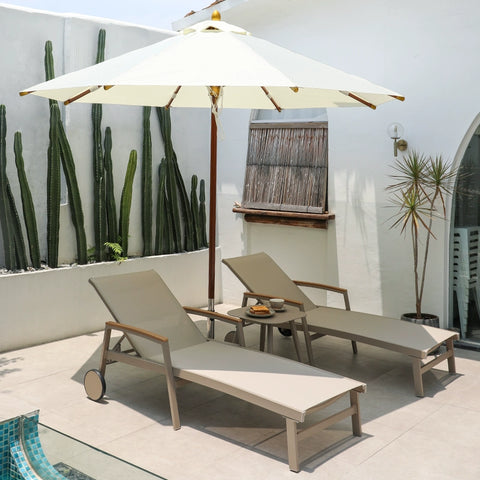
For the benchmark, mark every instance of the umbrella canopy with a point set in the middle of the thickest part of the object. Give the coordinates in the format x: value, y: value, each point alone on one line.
x: 252, y: 72
x: 214, y: 64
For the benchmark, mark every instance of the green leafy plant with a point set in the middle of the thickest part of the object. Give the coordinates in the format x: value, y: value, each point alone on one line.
x: 419, y: 193
x: 116, y: 251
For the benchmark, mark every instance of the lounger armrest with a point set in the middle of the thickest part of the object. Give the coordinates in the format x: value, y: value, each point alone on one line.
x: 262, y: 296
x: 220, y: 316
x: 130, y: 330
x: 322, y: 286
x: 215, y: 315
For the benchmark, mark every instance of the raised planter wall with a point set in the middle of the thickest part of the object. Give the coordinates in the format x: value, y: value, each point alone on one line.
x: 43, y: 306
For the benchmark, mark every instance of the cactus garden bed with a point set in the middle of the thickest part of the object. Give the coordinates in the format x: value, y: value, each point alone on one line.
x: 48, y: 305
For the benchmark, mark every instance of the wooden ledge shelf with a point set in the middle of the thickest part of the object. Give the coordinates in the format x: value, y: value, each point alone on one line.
x: 296, y: 219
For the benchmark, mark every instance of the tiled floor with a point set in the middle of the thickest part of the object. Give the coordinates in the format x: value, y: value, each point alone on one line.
x: 436, y: 437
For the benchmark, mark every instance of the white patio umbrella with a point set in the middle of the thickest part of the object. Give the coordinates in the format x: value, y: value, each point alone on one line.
x: 214, y: 64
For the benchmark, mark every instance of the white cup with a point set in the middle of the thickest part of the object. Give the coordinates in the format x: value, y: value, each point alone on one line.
x: 277, y: 303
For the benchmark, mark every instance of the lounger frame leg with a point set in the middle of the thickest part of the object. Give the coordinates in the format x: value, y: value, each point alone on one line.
x: 419, y: 369
x: 308, y: 340
x: 292, y: 445
x: 106, y: 343
x: 451, y: 356
x: 294, y: 435
x: 356, y: 421
x: 172, y: 394
x: 417, y: 377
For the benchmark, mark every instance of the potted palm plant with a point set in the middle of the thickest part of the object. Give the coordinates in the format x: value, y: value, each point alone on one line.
x: 419, y: 192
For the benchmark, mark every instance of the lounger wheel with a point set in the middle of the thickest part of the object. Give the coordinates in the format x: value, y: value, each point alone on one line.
x: 230, y: 337
x: 94, y: 384
x: 286, y: 332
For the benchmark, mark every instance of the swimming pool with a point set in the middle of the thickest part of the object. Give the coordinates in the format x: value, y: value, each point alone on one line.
x: 30, y: 450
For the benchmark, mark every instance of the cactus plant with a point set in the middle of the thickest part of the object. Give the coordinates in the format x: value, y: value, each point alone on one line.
x: 147, y: 208
x: 19, y: 243
x: 27, y: 203
x: 68, y: 165
x: 195, y: 212
x: 14, y: 244
x: 5, y: 217
x: 203, y: 216
x: 53, y: 189
x: 74, y: 199
x: 164, y: 240
x: 175, y: 184
x: 170, y: 186
x: 126, y: 201
x: 112, y: 226
x: 99, y: 213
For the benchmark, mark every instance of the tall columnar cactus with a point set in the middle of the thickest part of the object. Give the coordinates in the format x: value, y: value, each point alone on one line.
x: 5, y: 214
x: 68, y: 165
x: 147, y: 207
x: 20, y: 253
x: 126, y: 201
x: 203, y: 216
x: 27, y: 203
x: 112, y: 225
x: 164, y: 239
x: 53, y: 189
x: 195, y: 212
x: 175, y: 183
x: 99, y: 213
x: 74, y: 199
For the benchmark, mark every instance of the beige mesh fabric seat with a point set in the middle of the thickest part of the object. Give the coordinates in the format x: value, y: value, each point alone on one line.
x: 165, y: 339
x: 261, y: 275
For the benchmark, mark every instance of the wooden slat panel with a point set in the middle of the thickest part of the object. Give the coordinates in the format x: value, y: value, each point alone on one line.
x: 287, y: 168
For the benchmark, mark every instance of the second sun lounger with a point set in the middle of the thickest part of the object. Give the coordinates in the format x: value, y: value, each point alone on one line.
x: 262, y: 275
x: 167, y: 341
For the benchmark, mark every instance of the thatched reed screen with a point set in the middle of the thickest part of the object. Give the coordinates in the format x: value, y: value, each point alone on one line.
x: 287, y: 166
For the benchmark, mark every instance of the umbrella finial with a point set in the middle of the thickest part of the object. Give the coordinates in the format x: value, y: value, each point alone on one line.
x: 216, y: 15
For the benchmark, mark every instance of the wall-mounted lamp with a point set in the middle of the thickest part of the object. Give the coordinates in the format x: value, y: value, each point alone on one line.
x: 395, y: 132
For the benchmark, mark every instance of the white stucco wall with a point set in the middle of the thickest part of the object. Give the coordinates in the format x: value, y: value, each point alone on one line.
x: 424, y: 50
x: 24, y: 33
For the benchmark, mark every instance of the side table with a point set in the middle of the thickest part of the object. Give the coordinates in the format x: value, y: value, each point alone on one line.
x: 285, y: 318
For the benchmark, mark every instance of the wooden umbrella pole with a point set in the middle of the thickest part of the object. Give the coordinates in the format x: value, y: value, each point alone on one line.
x: 213, y: 213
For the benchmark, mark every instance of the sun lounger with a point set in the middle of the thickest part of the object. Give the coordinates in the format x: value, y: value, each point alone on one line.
x: 265, y: 279
x: 165, y: 339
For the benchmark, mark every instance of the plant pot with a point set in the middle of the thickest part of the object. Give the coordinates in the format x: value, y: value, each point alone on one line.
x: 427, y: 319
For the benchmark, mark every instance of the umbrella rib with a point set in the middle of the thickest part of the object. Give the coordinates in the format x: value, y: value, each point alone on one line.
x: 398, y: 97
x: 82, y: 94
x: 269, y: 95
x: 172, y: 98
x: 358, y: 99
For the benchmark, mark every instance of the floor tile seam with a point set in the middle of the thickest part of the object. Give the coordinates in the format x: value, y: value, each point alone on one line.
x: 105, y: 444
x: 402, y: 434
x: 462, y: 407
x: 40, y: 377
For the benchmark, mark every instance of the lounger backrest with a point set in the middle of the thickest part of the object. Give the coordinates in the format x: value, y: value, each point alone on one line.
x: 260, y: 274
x: 142, y: 299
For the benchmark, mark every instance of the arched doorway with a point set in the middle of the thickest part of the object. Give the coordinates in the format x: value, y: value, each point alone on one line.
x: 465, y: 242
